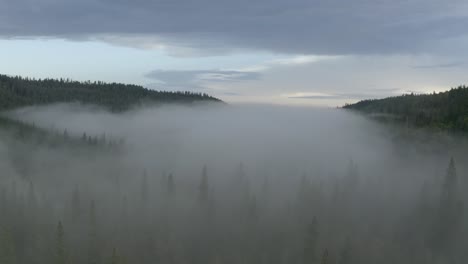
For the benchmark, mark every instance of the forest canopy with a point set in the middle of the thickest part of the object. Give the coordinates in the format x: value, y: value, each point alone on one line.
x: 18, y: 92
x: 211, y: 184
x: 445, y: 110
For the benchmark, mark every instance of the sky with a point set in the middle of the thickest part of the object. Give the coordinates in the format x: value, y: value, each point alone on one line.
x: 306, y: 52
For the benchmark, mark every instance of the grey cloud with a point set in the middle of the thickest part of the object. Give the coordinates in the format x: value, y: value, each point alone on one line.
x: 440, y: 65
x: 298, y: 26
x: 232, y: 94
x: 195, y: 79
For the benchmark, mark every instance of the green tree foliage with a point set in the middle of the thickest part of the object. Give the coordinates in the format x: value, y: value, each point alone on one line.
x: 170, y: 184
x: 144, y: 188
x: 19, y: 92
x: 32, y: 202
x: 352, y: 177
x: 269, y: 228
x: 204, y: 187
x: 76, y: 204
x: 346, y: 254
x: 449, y: 216
x: 60, y: 253
x: 311, y: 242
x: 450, y: 186
x: 114, y: 258
x: 445, y: 110
x: 253, y: 208
x: 7, y: 247
x: 93, y: 251
x: 29, y: 133
x: 3, y: 202
x: 325, y: 257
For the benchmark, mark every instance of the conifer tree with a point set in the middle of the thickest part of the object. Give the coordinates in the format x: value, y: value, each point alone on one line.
x: 7, y: 247
x: 346, y: 253
x: 66, y: 137
x: 93, y: 253
x: 60, y: 254
x: 170, y: 184
x: 144, y: 188
x: 325, y: 257
x: 204, y: 186
x: 311, y: 242
x: 450, y: 184
x: 114, y: 258
x: 352, y: 176
x: 253, y: 209
x: 304, y: 189
x: 3, y: 204
x: 447, y: 226
x: 242, y: 183
x: 76, y: 204
x: 32, y: 202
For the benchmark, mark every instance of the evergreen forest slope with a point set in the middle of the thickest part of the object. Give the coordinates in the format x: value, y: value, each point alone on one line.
x: 445, y: 110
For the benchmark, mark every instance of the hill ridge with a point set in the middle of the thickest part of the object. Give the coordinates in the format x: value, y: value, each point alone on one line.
x: 444, y: 110
x: 16, y: 91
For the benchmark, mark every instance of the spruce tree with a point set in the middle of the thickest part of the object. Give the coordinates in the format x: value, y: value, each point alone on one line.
x: 93, y: 253
x: 253, y: 209
x: 325, y: 257
x: 346, y: 253
x: 114, y: 258
x: 76, y: 204
x: 144, y: 188
x: 449, y: 216
x: 32, y: 201
x: 450, y: 184
x: 311, y: 242
x: 60, y: 254
x: 3, y: 204
x: 204, y: 186
x: 7, y: 247
x: 352, y: 175
x: 170, y: 184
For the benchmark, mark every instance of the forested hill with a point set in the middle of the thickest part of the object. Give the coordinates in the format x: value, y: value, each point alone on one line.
x: 446, y: 110
x: 18, y: 92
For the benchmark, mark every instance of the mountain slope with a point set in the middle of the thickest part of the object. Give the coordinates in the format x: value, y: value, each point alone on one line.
x: 445, y: 110
x: 19, y: 92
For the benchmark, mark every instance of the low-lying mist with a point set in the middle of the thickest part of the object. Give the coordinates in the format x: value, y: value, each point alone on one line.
x: 231, y: 184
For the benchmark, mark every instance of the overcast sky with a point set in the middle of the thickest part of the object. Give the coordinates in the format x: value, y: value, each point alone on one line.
x: 321, y: 52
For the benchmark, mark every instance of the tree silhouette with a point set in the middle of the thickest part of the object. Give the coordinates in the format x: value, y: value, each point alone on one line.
x: 311, y: 242
x: 60, y: 254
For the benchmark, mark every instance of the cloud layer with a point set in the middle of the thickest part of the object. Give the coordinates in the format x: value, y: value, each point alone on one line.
x: 194, y: 79
x: 298, y: 26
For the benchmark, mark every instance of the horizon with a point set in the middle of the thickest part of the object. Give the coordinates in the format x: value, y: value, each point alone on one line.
x: 260, y: 103
x: 302, y: 53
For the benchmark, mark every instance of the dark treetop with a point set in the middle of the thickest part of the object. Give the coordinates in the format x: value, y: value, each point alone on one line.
x: 19, y: 92
x: 445, y: 110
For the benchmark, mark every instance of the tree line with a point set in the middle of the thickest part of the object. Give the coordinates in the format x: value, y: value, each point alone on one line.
x: 19, y: 92
x: 31, y: 134
x: 445, y: 110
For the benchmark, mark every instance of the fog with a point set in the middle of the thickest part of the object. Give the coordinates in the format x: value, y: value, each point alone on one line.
x: 230, y: 184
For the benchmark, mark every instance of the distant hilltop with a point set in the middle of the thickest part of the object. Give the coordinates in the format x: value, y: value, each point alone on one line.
x: 20, y: 92
x: 445, y: 110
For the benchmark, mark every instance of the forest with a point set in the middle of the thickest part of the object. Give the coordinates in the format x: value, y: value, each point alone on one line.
x: 20, y: 92
x: 215, y: 183
x: 233, y: 132
x: 443, y: 111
